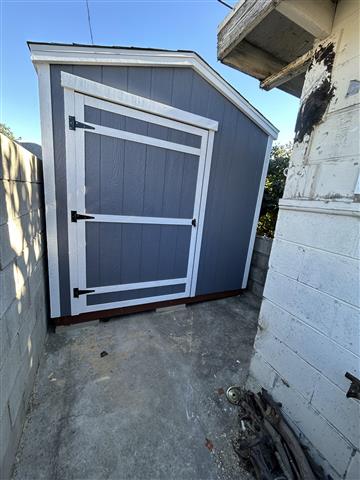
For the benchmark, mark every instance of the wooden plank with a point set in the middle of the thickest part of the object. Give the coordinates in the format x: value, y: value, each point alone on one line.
x: 243, y: 21
x: 291, y: 70
x: 253, y: 61
x: 104, y: 314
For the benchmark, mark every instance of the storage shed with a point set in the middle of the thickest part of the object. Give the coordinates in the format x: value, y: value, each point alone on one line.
x: 154, y: 168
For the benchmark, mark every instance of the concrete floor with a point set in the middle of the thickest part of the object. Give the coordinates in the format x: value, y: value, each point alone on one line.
x: 152, y: 407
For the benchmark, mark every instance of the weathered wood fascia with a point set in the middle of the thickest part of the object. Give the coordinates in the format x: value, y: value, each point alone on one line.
x: 292, y: 70
x: 243, y: 21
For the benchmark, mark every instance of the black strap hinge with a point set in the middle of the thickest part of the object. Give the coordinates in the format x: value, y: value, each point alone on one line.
x: 79, y: 216
x: 193, y: 222
x: 354, y: 389
x: 77, y: 292
x: 74, y: 124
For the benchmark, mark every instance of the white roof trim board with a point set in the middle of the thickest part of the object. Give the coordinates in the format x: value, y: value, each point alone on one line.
x: 93, y: 55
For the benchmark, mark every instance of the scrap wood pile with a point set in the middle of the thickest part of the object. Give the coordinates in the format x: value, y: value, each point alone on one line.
x: 266, y: 442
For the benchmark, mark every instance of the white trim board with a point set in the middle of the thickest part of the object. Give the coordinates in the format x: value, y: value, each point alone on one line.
x: 144, y: 139
x: 49, y: 187
x: 90, y: 55
x: 115, y: 95
x: 100, y: 217
x: 257, y: 212
x: 136, y: 286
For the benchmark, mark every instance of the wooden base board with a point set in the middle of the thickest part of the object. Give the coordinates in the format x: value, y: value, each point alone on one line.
x: 116, y: 312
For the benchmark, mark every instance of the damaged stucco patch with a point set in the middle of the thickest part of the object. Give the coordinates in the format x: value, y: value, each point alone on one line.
x: 315, y: 104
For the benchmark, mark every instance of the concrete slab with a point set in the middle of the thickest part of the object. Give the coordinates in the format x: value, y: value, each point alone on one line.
x: 152, y: 408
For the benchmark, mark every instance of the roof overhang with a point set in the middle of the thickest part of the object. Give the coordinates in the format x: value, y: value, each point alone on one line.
x: 52, y: 53
x: 272, y: 40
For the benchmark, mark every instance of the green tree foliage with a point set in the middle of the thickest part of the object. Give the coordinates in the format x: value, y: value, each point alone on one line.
x: 274, y: 189
x: 7, y: 131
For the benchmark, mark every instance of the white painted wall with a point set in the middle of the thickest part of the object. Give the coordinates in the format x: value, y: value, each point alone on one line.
x: 309, y: 327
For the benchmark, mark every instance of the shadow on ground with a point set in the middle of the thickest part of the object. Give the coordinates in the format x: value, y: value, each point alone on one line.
x: 152, y: 408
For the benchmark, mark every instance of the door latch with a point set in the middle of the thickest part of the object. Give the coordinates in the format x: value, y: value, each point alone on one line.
x: 79, y: 216
x: 77, y: 292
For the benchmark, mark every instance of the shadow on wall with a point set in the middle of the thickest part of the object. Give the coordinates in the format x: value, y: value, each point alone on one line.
x: 24, y: 299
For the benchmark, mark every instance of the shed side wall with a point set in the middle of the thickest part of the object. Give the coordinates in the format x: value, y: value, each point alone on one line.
x: 238, y: 156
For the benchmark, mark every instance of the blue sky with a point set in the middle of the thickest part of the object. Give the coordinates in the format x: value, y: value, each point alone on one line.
x: 172, y: 24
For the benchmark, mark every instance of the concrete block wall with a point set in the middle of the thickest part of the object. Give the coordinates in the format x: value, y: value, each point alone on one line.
x: 259, y: 265
x: 23, y: 296
x: 309, y: 325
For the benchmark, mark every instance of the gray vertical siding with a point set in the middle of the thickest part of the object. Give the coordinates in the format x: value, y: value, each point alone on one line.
x: 238, y: 154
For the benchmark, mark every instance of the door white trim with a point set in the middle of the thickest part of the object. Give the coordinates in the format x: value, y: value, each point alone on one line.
x: 137, y: 286
x: 99, y: 217
x: 147, y: 140
x: 75, y: 165
x: 136, y: 301
x: 114, y: 95
x: 201, y: 220
x: 140, y: 115
x: 257, y: 212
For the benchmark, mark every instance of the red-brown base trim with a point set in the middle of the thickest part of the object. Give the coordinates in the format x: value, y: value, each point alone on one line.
x: 115, y: 312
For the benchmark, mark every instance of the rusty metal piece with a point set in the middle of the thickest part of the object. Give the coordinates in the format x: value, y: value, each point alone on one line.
x: 233, y: 394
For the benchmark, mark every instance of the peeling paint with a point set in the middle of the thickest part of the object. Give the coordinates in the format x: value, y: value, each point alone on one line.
x: 315, y: 105
x: 325, y: 54
x: 313, y: 109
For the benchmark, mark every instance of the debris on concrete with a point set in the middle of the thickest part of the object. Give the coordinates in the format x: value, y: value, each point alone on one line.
x: 266, y: 444
x: 103, y: 353
x: 209, y: 445
x: 145, y: 410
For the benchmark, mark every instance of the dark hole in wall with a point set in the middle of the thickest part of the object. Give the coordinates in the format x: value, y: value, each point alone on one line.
x: 314, y: 107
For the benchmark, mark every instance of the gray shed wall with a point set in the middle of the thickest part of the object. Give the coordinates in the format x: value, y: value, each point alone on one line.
x: 238, y: 155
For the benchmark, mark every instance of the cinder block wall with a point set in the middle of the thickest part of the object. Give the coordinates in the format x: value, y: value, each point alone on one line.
x: 23, y: 302
x: 309, y: 325
x: 259, y: 265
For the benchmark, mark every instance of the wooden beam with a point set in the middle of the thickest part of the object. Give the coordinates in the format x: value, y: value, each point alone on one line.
x: 253, y: 61
x: 290, y: 71
x: 314, y: 16
x: 241, y: 22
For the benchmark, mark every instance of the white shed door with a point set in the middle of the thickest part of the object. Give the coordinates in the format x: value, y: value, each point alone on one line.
x: 135, y: 186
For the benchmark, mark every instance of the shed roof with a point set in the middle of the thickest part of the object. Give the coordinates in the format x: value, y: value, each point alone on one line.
x: 61, y: 53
